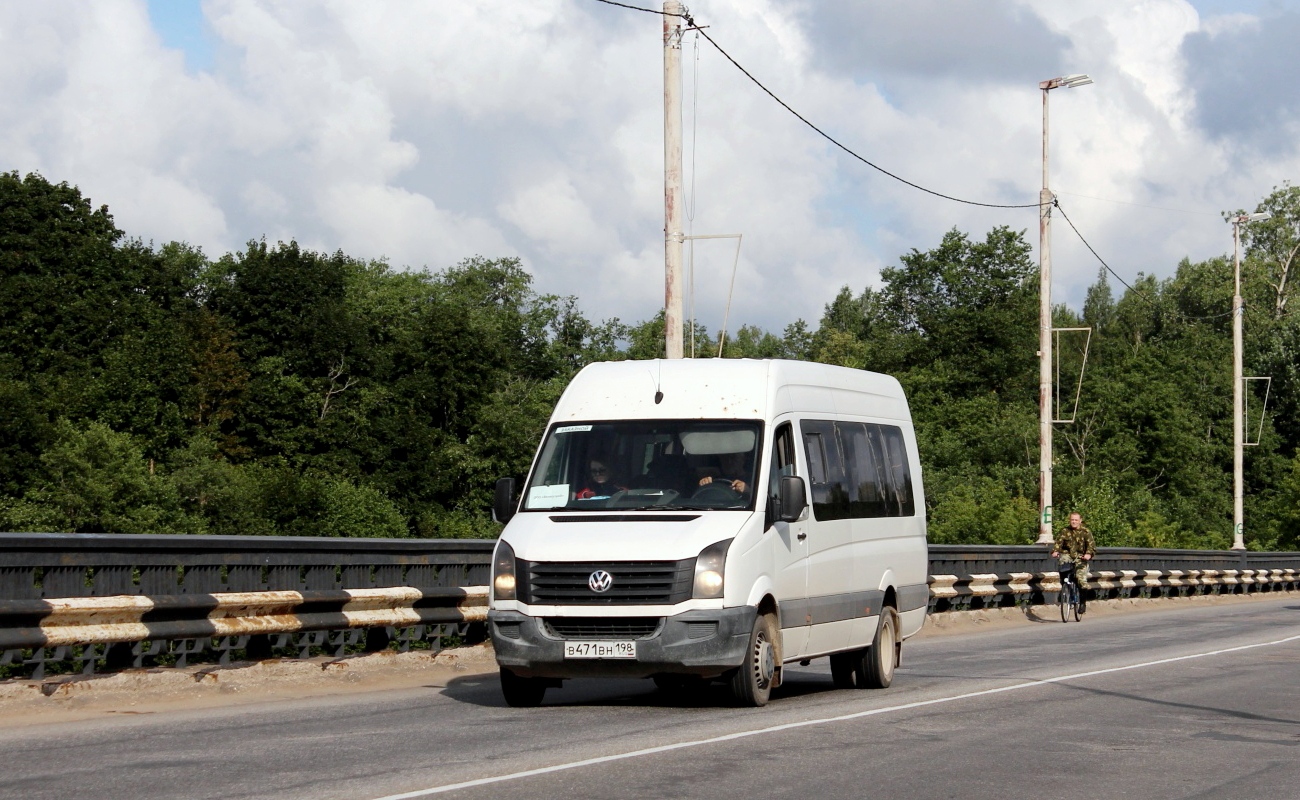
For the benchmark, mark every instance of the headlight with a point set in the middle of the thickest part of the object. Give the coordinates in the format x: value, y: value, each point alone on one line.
x: 709, y: 570
x: 503, y: 573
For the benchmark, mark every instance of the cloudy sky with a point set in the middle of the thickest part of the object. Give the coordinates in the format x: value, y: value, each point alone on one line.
x: 427, y: 131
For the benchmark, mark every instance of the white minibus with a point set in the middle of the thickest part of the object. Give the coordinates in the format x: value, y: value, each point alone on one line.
x: 699, y: 519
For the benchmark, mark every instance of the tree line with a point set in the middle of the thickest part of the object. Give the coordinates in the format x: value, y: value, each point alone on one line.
x: 281, y: 391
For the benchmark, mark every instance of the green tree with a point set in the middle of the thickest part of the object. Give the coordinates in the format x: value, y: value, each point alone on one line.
x: 96, y: 480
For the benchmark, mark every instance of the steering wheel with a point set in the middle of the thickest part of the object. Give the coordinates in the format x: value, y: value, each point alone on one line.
x: 718, y: 492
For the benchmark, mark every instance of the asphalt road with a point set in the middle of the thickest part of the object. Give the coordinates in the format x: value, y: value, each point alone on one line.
x: 1194, y: 703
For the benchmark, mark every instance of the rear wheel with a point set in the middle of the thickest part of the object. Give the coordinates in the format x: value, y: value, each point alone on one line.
x: 876, y: 669
x: 751, y: 685
x: 1077, y: 596
x: 522, y: 692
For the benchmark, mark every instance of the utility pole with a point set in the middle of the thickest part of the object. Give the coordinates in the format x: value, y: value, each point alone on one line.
x: 1238, y: 387
x: 1046, y: 411
x: 673, y: 235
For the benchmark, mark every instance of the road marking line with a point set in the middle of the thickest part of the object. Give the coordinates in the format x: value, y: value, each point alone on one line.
x: 587, y: 762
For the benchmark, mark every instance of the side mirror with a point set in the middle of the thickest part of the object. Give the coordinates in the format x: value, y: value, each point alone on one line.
x: 793, y: 498
x: 503, y: 502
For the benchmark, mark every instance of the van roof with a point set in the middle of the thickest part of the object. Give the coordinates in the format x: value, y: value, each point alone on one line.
x: 718, y: 388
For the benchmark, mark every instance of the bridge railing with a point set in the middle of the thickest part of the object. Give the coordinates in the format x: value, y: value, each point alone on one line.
x: 202, y: 574
x: 965, y: 577
x: 169, y: 599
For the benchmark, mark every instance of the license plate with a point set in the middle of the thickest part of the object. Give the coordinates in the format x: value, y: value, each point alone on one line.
x: 600, y: 649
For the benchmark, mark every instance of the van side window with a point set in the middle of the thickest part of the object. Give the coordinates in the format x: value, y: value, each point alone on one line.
x: 867, y: 480
x: 857, y: 470
x: 899, y: 471
x: 828, y: 483
x: 782, y: 460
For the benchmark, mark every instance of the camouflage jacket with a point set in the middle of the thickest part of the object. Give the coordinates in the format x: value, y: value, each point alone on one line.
x: 1075, y: 543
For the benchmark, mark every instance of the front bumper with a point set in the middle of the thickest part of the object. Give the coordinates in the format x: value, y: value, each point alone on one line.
x: 706, y: 643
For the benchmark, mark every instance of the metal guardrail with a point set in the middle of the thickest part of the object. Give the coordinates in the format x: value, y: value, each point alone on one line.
x: 964, y: 577
x: 122, y: 600
x: 130, y: 618
x: 179, y: 575
x: 41, y: 565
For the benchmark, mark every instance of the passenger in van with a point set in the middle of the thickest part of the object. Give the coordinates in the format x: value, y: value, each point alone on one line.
x: 600, y: 481
x: 734, y: 472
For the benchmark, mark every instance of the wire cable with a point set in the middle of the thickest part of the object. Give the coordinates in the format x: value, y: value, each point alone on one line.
x: 1054, y: 202
x: 661, y: 13
x: 695, y: 128
x: 1142, y: 295
x: 806, y: 121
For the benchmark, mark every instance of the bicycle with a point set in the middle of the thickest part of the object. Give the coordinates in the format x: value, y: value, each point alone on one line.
x: 1068, y: 598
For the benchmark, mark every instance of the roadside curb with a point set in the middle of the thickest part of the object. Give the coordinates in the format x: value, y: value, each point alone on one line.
x: 139, y: 691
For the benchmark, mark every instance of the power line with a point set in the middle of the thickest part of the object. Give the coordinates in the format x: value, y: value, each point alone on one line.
x: 661, y: 13
x: 1141, y: 205
x: 1102, y: 261
x: 807, y: 122
x: 700, y: 31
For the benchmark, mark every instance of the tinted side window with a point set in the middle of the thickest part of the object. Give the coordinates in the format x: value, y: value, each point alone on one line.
x: 900, y: 473
x: 866, y: 479
x: 828, y: 484
x: 782, y: 459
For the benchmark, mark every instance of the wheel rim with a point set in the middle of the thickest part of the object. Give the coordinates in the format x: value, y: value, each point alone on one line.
x: 764, y: 661
x: 886, y: 654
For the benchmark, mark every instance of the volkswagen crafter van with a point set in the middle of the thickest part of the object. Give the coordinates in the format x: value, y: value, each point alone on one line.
x: 691, y: 520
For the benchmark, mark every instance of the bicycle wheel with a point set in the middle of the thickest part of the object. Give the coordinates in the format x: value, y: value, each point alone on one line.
x: 1076, y: 595
x: 1063, y: 600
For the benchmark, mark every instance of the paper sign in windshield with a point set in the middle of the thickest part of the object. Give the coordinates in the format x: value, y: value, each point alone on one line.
x: 573, y: 429
x: 548, y: 496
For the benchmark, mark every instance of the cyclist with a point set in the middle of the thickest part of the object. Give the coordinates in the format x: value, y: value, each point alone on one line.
x: 1075, y: 547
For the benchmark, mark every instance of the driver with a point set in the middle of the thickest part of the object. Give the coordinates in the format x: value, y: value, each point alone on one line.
x: 733, y: 472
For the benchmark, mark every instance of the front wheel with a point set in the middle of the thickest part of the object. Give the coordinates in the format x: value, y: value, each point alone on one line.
x: 878, y: 662
x: 522, y: 692
x: 751, y: 685
x: 1063, y: 601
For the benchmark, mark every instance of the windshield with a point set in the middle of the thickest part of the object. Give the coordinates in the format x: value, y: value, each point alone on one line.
x: 646, y: 464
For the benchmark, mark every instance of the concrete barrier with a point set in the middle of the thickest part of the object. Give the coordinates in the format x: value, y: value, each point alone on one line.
x: 131, y: 618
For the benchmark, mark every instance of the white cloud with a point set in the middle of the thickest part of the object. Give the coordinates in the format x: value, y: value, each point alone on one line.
x: 427, y: 132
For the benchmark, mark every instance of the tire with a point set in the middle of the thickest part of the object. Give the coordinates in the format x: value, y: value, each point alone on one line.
x: 522, y: 692
x: 1077, y: 594
x: 876, y: 667
x: 751, y: 685
x: 1063, y: 601
x: 844, y: 667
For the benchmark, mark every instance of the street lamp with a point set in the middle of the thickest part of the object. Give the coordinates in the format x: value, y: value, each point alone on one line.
x: 1238, y: 392
x: 1045, y: 409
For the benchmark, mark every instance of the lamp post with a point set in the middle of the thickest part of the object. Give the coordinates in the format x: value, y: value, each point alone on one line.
x: 673, y: 236
x: 1045, y: 410
x: 1238, y: 390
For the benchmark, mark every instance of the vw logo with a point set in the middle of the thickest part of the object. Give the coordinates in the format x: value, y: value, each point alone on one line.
x: 600, y: 581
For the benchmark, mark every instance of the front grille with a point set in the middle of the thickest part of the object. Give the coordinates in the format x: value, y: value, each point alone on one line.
x: 633, y: 582
x: 602, y: 627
